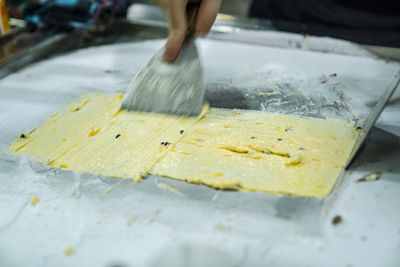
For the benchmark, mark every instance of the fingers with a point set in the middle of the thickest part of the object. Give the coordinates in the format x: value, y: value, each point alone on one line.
x: 176, y: 9
x: 206, y: 16
x: 177, y: 28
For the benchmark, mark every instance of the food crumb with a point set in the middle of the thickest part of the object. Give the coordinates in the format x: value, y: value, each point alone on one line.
x: 222, y: 227
x: 165, y: 143
x: 77, y: 108
x: 94, y: 131
x: 34, y: 201
x: 295, y: 160
x: 373, y: 176
x: 68, y: 250
x: 323, y: 79
x: 130, y: 221
x: 167, y: 187
x: 54, y: 115
x: 337, y: 219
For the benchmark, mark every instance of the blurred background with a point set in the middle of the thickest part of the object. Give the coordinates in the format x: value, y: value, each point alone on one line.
x: 235, y: 7
x: 369, y: 21
x: 372, y: 23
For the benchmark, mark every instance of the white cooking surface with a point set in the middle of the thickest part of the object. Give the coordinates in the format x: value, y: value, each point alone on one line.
x: 147, y: 225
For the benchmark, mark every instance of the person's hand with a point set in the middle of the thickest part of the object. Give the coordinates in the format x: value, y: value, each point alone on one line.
x: 178, y: 23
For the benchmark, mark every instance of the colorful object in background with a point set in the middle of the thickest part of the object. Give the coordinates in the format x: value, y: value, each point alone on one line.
x: 4, y: 25
x: 69, y: 15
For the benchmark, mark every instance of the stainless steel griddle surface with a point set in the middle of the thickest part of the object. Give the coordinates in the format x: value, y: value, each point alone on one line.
x: 136, y: 225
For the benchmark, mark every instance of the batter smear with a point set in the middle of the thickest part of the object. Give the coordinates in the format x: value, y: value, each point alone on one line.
x: 226, y: 149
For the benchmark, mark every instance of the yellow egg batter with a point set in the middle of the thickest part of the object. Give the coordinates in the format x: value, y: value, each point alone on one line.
x: 226, y: 149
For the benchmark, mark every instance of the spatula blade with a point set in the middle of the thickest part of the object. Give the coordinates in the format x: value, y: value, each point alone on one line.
x: 176, y: 88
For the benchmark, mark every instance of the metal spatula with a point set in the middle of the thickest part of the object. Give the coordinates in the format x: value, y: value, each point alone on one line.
x: 176, y: 88
x: 373, y: 116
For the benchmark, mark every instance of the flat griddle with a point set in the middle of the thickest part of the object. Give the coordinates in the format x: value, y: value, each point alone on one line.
x: 315, y: 77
